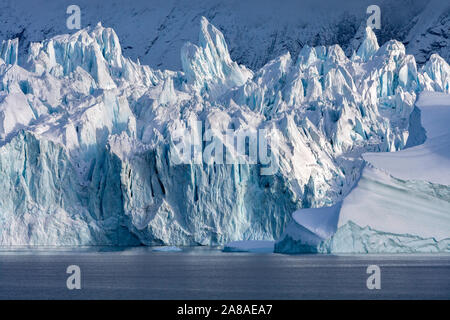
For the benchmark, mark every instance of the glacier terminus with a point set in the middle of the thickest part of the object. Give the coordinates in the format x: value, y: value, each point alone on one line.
x: 361, y: 141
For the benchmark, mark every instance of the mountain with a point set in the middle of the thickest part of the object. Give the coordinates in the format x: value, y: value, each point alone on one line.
x: 257, y: 31
x: 96, y: 148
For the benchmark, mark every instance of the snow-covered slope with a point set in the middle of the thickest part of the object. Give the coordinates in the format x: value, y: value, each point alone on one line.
x: 429, y: 161
x: 88, y: 137
x: 401, y: 203
x: 154, y: 31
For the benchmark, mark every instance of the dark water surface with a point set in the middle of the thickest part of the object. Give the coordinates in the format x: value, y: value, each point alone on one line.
x: 205, y: 273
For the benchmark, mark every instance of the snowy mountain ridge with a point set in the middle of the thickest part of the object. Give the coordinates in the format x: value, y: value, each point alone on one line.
x: 400, y: 204
x: 87, y: 137
x: 257, y: 31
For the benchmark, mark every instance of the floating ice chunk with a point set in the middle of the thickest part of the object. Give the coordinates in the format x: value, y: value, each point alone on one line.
x: 167, y: 249
x: 255, y: 246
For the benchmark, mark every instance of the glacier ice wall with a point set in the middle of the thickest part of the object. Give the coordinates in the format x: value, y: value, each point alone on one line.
x: 9, y: 51
x: 352, y: 238
x: 369, y: 46
x: 43, y: 203
x: 208, y: 66
x: 86, y: 137
x: 400, y: 204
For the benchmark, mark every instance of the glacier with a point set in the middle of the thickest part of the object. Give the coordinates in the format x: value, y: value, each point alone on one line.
x: 87, y: 137
x: 400, y: 204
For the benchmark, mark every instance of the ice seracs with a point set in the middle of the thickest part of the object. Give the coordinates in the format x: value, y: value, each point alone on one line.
x: 98, y: 130
x: 369, y: 45
x: 400, y: 204
x: 208, y: 66
x: 9, y: 51
x: 435, y: 74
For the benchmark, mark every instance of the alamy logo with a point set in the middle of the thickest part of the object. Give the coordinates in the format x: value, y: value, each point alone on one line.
x: 74, y: 20
x: 374, y: 280
x: 232, y: 147
x: 74, y: 280
x: 374, y: 21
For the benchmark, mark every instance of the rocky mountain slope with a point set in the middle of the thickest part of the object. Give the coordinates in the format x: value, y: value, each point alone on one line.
x: 257, y: 31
